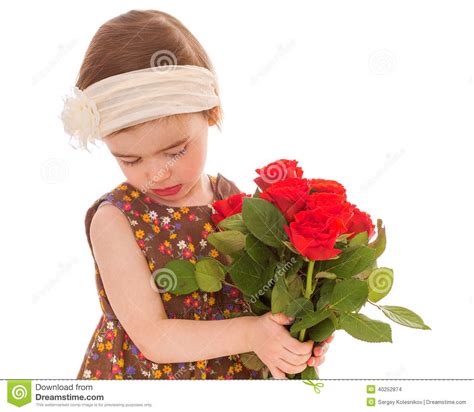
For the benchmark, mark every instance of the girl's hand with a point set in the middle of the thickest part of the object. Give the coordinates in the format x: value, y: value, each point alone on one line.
x: 276, y: 348
x: 319, y: 351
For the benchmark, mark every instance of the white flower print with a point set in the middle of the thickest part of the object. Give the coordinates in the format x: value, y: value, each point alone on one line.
x: 114, y: 359
x: 110, y: 325
x: 154, y: 366
x: 153, y: 215
x: 181, y: 244
x: 203, y: 243
x: 99, y: 339
x: 134, y: 223
x: 166, y: 220
x: 170, y: 210
x: 87, y: 374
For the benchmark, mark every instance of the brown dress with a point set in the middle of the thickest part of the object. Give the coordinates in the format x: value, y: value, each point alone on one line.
x: 164, y: 233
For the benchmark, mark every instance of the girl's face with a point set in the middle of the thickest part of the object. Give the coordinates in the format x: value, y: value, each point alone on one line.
x: 163, y: 153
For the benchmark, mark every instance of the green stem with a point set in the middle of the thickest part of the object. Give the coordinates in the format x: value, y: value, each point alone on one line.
x: 307, y: 292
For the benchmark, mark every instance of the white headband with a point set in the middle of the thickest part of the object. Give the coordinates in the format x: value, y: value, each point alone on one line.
x: 135, y: 97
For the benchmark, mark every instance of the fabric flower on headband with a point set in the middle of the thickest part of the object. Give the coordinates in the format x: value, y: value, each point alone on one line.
x: 80, y: 117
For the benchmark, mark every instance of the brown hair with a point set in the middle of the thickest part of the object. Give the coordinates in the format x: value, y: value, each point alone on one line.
x: 139, y: 39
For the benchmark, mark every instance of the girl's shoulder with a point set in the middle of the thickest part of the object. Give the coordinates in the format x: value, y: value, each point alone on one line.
x: 224, y: 187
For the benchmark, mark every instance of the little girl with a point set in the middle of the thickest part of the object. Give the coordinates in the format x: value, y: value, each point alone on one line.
x: 147, y: 89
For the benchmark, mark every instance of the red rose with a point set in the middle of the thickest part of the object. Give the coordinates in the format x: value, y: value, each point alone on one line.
x: 227, y: 207
x: 332, y: 204
x: 314, y: 234
x: 289, y: 196
x: 327, y: 186
x: 276, y: 171
x: 360, y: 222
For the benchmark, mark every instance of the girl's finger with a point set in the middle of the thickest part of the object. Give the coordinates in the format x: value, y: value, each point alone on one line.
x: 320, y: 349
x: 277, y: 373
x: 330, y: 339
x: 295, y: 358
x: 316, y: 361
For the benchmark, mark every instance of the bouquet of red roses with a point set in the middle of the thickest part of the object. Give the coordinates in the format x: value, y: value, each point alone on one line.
x: 298, y: 246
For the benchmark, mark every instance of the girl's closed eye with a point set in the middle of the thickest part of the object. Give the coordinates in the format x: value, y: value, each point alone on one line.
x: 134, y: 162
x: 181, y: 152
x: 130, y: 163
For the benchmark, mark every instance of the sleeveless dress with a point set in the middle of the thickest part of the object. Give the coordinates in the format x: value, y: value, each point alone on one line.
x: 164, y: 233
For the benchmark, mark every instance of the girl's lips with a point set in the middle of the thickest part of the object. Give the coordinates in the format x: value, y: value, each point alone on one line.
x: 168, y: 191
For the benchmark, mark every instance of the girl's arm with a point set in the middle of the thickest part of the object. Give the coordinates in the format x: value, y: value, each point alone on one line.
x: 128, y: 284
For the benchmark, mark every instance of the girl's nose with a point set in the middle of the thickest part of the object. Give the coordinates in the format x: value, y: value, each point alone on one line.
x: 158, y: 174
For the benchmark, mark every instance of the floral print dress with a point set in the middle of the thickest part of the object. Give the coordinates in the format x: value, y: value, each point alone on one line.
x: 164, y: 233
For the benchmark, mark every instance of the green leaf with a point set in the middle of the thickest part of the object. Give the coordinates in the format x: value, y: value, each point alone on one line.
x: 280, y: 296
x: 322, y: 330
x: 381, y: 241
x: 343, y: 238
x: 327, y: 275
x: 177, y: 277
x: 264, y: 221
x: 257, y: 250
x: 349, y: 295
x: 257, y: 306
x: 361, y: 327
x: 293, y: 265
x: 309, y: 320
x: 380, y: 283
x: 268, y: 273
x: 228, y: 241
x: 299, y: 307
x: 351, y: 262
x: 361, y: 239
x: 233, y: 222
x: 335, y: 320
x: 404, y: 317
x: 290, y: 246
x: 325, y: 294
x: 209, y: 274
x: 309, y: 373
x: 251, y: 361
x: 246, y: 274
x: 295, y: 285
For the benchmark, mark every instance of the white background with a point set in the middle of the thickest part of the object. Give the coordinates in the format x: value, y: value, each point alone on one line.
x: 375, y: 94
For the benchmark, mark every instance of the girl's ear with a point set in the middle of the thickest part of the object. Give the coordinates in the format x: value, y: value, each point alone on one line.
x: 213, y: 116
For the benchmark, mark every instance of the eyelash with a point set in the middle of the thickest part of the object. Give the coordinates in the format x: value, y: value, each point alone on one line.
x: 181, y: 152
